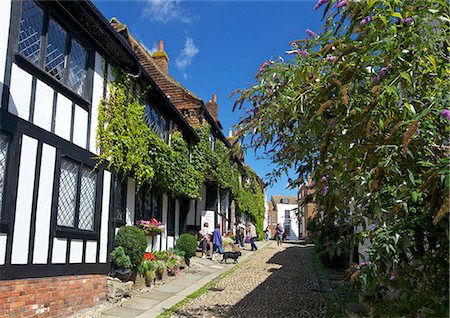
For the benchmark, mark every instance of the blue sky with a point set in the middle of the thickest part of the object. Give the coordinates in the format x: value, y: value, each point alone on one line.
x: 218, y: 46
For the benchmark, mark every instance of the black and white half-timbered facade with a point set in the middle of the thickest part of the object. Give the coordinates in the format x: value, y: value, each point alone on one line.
x: 58, y: 211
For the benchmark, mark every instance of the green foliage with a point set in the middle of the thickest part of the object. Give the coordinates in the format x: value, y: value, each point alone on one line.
x: 119, y: 258
x: 188, y: 244
x: 133, y: 149
x: 134, y: 243
x: 361, y: 110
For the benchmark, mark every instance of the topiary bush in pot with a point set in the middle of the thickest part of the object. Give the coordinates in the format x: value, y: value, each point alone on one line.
x: 188, y: 244
x: 134, y: 243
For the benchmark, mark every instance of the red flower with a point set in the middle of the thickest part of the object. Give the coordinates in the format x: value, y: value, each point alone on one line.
x: 149, y: 256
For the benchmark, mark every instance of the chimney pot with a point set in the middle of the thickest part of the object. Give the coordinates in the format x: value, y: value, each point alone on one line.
x: 161, y: 46
x: 230, y: 133
x: 214, y: 98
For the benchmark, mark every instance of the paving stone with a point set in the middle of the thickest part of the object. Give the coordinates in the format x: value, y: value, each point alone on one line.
x: 140, y: 303
x: 123, y: 312
x: 157, y: 295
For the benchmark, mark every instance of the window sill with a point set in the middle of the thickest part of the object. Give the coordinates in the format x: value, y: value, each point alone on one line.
x: 51, y: 81
x: 62, y: 232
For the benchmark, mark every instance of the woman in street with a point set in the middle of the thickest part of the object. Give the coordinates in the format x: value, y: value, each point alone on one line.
x: 251, y: 232
x: 206, y: 239
x: 279, y: 231
x: 268, y: 233
x: 217, y: 242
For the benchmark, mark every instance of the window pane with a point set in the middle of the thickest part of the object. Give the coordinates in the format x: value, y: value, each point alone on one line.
x: 56, y: 48
x: 77, y: 65
x: 67, y: 193
x: 87, y: 200
x: 31, y: 21
x: 3, y: 156
x: 119, y: 200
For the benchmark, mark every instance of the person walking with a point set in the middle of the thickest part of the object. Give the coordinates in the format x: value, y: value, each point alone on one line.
x: 241, y: 233
x: 267, y: 233
x: 205, y: 241
x: 251, y: 232
x: 217, y: 243
x: 279, y: 232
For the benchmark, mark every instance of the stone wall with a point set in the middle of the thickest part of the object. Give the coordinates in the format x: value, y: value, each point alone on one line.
x: 51, y: 296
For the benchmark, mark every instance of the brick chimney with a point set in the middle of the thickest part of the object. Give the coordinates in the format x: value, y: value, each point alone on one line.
x: 213, y: 108
x: 161, y: 58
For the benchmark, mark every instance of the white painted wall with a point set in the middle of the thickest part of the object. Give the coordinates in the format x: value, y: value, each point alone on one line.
x: 164, y: 222
x: 80, y: 126
x: 43, y: 106
x: 59, y: 250
x: 44, y: 205
x: 20, y: 92
x: 104, y: 220
x: 97, y: 94
x: 24, y: 201
x: 5, y: 14
x: 76, y: 251
x: 63, y: 117
x: 91, y: 251
x: 3, y: 238
x: 130, y: 205
x: 170, y: 242
x: 281, y: 208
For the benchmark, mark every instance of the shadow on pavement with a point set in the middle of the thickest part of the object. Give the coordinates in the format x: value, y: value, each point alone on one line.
x: 290, y: 291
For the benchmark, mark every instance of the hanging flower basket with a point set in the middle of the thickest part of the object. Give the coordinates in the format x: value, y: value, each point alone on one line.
x: 151, y: 228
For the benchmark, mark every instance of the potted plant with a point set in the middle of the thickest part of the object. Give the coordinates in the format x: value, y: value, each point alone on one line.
x: 152, y: 227
x: 148, y: 269
x: 122, y: 264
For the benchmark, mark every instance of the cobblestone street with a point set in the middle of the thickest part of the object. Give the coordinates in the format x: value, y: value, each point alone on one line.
x: 273, y: 283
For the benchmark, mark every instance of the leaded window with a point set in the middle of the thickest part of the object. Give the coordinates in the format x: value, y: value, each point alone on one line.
x: 119, y: 199
x: 157, y: 122
x: 4, y: 143
x: 76, y: 196
x: 148, y: 204
x: 64, y: 57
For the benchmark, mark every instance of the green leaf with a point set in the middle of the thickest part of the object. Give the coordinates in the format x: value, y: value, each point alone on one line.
x: 411, y: 177
x: 397, y: 15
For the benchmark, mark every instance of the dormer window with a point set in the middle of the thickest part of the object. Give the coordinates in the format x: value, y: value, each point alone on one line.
x: 285, y: 201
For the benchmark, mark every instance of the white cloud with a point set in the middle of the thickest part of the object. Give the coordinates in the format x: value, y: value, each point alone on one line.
x: 186, y: 55
x: 165, y: 11
x: 153, y: 49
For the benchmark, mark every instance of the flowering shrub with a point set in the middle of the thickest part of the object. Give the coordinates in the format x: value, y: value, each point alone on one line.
x: 152, y: 227
x: 364, y: 103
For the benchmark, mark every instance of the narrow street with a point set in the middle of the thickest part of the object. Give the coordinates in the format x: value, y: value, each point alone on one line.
x: 273, y: 283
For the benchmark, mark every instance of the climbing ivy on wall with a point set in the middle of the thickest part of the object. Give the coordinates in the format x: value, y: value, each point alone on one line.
x: 132, y: 149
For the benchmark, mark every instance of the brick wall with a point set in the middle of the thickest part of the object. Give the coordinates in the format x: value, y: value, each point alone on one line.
x: 51, y: 296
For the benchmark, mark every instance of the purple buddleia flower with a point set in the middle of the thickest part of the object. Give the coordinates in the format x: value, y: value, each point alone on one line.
x: 320, y: 3
x: 375, y: 79
x: 311, y: 33
x: 445, y: 113
x: 407, y: 21
x: 303, y: 53
x: 325, y: 190
x: 332, y: 122
x: 394, y: 275
x: 263, y: 66
x: 365, y: 263
x: 324, y: 178
x: 341, y: 4
x: 384, y: 70
x: 366, y: 20
x: 299, y: 52
x: 330, y: 58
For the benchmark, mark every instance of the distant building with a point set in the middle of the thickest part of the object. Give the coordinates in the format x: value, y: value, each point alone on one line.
x: 306, y: 206
x: 284, y: 209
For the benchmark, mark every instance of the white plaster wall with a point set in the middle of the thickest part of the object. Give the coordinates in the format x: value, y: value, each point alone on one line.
x: 97, y: 94
x: 59, y: 250
x: 130, y: 205
x: 164, y: 222
x: 24, y: 201
x: 76, y: 251
x: 91, y: 251
x: 20, y: 92
x: 44, y: 205
x: 5, y: 14
x: 63, y: 117
x: 80, y: 124
x: 43, y: 105
x: 170, y: 242
x: 104, y: 219
x: 3, y: 238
